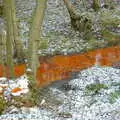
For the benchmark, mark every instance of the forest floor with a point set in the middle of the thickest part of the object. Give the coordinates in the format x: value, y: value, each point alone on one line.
x: 59, y: 36
x: 94, y: 94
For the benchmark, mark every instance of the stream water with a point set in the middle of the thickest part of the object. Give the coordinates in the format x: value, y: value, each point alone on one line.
x: 62, y: 66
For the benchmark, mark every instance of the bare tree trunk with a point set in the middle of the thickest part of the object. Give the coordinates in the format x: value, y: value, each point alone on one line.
x: 2, y: 50
x: 18, y: 44
x: 35, y: 35
x: 10, y: 36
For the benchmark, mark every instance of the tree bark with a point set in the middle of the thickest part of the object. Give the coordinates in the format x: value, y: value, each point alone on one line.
x: 73, y: 16
x: 10, y: 36
x: 35, y: 35
x: 71, y: 9
x: 2, y: 50
x: 18, y: 44
x: 78, y: 22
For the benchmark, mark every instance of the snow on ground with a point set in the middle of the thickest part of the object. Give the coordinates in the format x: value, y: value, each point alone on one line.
x: 14, y: 87
x: 94, y: 107
x: 77, y: 103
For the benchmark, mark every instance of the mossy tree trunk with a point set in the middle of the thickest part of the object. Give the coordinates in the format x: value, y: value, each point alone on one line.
x: 9, y: 37
x: 2, y: 50
x: 35, y: 35
x: 17, y: 42
x: 96, y: 5
x: 73, y: 16
x: 70, y: 9
x: 79, y: 22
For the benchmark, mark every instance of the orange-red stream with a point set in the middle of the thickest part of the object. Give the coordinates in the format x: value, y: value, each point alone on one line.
x: 60, y: 67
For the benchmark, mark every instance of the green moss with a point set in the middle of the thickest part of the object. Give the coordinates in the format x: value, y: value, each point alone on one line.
x: 92, y: 44
x: 110, y: 37
x: 113, y: 96
x: 2, y: 104
x: 43, y: 44
x: 96, y: 5
x: 110, y: 18
x: 95, y: 88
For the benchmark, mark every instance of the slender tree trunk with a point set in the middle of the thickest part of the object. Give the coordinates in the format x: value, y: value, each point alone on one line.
x: 1, y: 48
x: 10, y: 36
x: 2, y: 51
x: 18, y: 44
x: 35, y: 35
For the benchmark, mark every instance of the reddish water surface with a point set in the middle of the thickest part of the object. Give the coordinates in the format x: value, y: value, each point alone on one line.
x: 61, y: 66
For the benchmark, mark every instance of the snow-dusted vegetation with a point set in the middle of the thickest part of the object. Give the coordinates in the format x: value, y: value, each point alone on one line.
x: 40, y: 76
x: 77, y: 102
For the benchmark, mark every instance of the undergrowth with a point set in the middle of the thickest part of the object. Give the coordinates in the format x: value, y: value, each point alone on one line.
x: 114, y: 96
x: 94, y: 88
x: 3, y: 105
